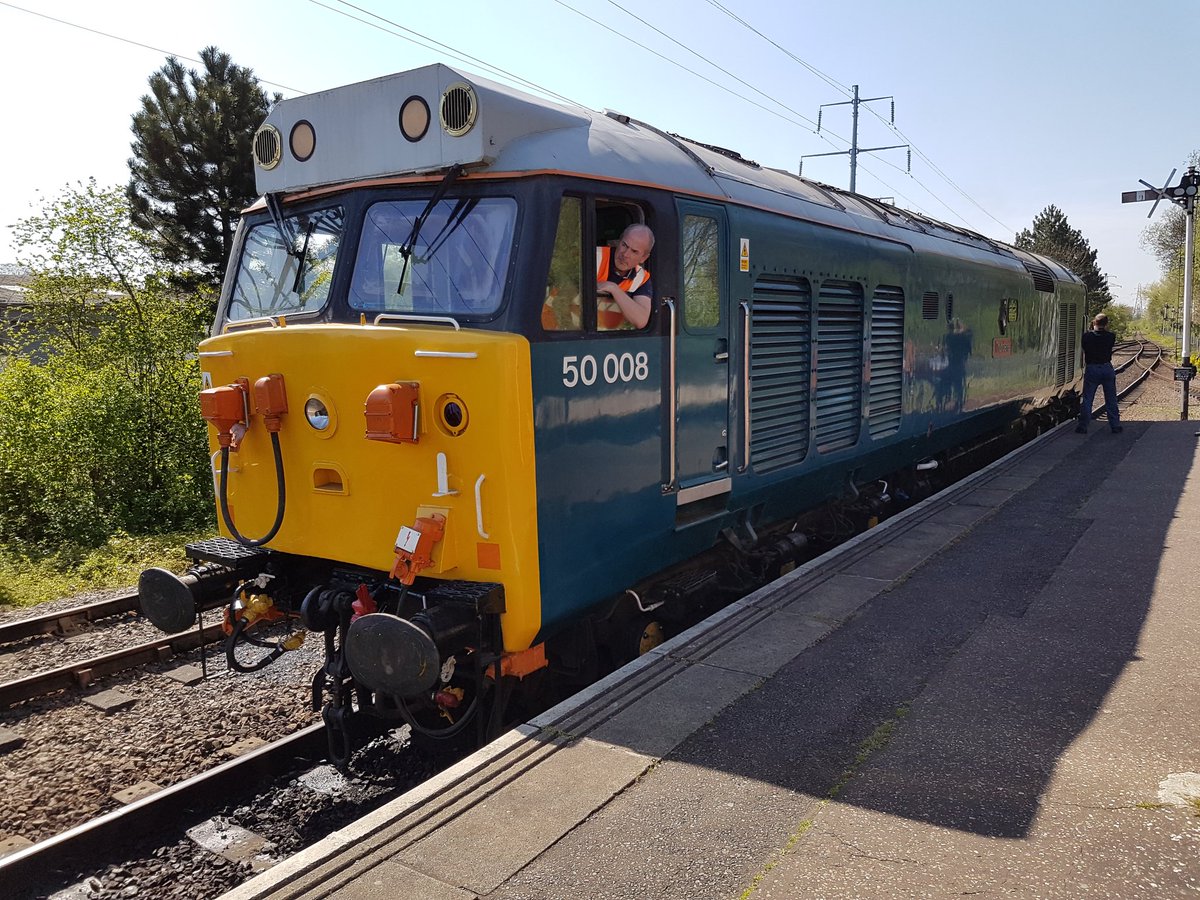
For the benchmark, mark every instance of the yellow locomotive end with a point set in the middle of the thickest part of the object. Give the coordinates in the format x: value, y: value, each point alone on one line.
x: 381, y: 429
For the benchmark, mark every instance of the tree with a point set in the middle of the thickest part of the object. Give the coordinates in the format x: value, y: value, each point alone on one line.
x: 191, y: 172
x: 1120, y: 319
x: 1052, y: 236
x: 99, y: 429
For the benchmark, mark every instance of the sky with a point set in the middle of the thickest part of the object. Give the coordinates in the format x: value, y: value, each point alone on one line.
x: 1008, y: 107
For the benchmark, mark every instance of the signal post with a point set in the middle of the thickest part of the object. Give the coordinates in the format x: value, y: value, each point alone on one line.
x: 1183, y: 194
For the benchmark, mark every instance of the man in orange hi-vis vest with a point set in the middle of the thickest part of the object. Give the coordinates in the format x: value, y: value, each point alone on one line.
x: 619, y: 273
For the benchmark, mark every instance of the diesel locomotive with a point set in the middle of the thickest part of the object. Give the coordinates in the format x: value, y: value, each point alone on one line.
x: 434, y: 444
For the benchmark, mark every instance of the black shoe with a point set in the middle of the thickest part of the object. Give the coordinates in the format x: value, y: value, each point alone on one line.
x: 1081, y: 430
x: 1117, y: 430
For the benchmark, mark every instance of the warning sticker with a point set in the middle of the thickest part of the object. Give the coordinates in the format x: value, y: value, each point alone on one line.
x: 744, y: 261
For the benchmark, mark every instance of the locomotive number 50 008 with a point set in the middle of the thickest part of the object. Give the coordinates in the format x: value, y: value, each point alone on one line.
x: 612, y: 367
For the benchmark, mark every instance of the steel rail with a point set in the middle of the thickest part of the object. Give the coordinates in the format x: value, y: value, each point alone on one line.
x: 82, y: 673
x: 91, y: 845
x: 64, y: 620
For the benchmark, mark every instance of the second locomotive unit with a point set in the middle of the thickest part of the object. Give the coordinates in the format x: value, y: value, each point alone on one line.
x: 435, y: 444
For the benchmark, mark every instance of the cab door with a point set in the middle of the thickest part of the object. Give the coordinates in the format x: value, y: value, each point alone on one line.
x: 699, y: 396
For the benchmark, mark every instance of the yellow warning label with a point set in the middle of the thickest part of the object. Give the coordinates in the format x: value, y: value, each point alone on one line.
x: 744, y: 262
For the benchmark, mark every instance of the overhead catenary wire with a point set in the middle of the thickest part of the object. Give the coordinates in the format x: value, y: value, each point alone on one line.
x: 124, y: 40
x: 433, y: 44
x: 721, y: 69
x: 438, y: 46
x: 836, y: 85
x: 677, y: 64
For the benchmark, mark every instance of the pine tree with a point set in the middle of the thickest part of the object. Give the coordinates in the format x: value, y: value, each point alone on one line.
x: 1052, y: 236
x: 191, y: 169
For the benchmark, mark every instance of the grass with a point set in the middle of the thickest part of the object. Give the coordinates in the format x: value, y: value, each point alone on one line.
x: 28, y: 577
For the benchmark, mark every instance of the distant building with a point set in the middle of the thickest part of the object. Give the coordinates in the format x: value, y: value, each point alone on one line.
x: 14, y: 304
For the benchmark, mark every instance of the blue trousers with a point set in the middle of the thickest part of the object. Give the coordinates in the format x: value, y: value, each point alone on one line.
x: 1094, y: 376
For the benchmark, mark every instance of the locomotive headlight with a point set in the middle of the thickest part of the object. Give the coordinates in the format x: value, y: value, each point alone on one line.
x: 452, y: 415
x: 320, y: 415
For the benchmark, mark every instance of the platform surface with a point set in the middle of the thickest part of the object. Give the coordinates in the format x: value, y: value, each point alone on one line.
x: 996, y: 693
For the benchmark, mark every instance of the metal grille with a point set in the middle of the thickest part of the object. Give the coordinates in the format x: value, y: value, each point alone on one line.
x: 884, y: 399
x: 458, y: 110
x: 929, y: 305
x: 1072, y: 341
x: 839, y: 365
x: 1042, y: 279
x: 268, y: 147
x: 780, y: 332
x: 1065, y: 363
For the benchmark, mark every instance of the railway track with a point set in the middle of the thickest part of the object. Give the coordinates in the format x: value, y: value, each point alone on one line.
x: 83, y: 673
x: 48, y: 864
x: 67, y: 620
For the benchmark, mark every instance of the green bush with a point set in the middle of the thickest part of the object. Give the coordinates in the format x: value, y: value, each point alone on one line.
x: 100, y: 432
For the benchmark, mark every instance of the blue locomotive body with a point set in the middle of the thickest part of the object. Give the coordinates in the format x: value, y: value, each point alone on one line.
x: 425, y: 255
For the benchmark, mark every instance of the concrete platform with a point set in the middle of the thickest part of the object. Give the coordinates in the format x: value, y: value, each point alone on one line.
x: 995, y: 693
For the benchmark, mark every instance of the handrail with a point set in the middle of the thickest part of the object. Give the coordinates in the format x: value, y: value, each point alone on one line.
x: 244, y: 323
x: 745, y: 305
x: 669, y: 481
x: 407, y: 317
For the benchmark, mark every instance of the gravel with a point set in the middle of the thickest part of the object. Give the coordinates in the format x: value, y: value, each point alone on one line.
x: 75, y: 756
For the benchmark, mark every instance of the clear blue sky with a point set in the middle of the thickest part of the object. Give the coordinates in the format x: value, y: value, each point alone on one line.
x: 1019, y: 104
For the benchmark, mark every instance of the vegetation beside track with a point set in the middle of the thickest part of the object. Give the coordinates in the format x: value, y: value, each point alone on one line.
x: 31, y: 577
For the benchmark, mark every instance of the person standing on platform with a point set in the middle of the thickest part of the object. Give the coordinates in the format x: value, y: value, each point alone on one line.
x: 1098, y: 372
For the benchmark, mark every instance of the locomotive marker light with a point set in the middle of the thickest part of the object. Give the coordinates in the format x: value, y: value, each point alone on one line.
x: 452, y: 414
x: 414, y: 118
x: 302, y: 141
x: 1184, y: 194
x: 316, y: 413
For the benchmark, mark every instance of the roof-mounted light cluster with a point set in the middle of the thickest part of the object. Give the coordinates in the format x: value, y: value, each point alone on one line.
x: 458, y: 111
x: 416, y: 123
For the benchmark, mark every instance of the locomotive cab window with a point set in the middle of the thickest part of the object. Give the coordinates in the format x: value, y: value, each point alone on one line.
x: 451, y: 259
x: 562, y: 310
x: 287, y: 265
x: 620, y: 258
x: 701, y: 291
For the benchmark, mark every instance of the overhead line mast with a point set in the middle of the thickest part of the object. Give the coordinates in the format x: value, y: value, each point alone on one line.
x: 854, y: 150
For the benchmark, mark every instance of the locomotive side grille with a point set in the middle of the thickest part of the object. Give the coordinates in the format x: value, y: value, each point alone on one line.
x: 1065, y: 367
x: 1042, y: 279
x: 929, y: 305
x: 887, y: 361
x: 780, y: 332
x: 1072, y: 341
x: 839, y: 365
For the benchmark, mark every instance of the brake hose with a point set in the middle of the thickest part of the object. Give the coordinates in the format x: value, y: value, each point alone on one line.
x: 239, y: 633
x: 224, y: 499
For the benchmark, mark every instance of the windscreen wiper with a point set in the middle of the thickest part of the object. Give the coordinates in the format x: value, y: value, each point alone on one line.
x: 406, y: 248
x: 276, y: 210
x: 301, y: 255
x: 289, y: 239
